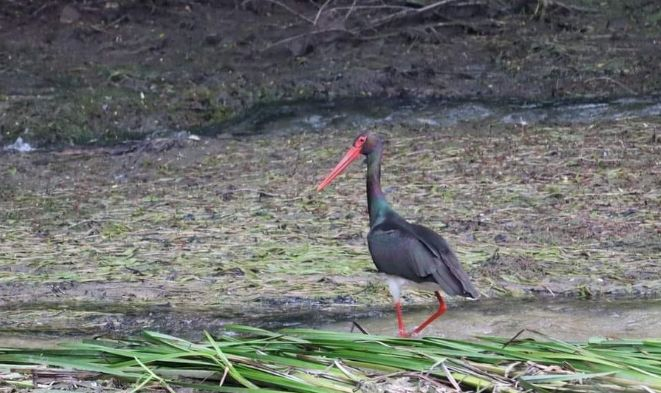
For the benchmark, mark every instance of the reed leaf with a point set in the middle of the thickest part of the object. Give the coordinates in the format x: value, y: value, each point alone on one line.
x: 311, y: 361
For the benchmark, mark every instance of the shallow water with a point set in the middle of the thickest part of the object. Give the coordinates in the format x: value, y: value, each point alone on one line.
x: 561, y: 319
x: 574, y: 320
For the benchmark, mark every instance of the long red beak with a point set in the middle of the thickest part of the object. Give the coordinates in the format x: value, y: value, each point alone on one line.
x: 349, y: 157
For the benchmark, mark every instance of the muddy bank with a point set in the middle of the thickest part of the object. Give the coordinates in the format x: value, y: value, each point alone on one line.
x: 233, y: 226
x: 102, y: 72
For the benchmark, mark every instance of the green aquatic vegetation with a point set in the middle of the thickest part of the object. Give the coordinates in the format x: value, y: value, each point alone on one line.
x: 304, y: 360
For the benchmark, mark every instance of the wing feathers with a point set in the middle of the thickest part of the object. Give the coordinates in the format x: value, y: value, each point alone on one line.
x: 418, y: 254
x: 431, y: 239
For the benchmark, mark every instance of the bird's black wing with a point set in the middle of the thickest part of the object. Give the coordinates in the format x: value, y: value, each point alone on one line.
x: 417, y: 254
x: 448, y: 264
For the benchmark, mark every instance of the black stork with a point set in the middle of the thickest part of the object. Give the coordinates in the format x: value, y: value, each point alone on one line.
x: 408, y: 254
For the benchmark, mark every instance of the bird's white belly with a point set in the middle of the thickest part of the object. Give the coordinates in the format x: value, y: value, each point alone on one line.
x: 396, y: 284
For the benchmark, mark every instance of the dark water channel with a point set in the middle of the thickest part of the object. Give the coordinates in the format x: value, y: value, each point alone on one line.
x: 305, y: 116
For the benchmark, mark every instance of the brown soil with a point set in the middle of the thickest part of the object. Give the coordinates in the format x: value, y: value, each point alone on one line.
x: 102, y: 71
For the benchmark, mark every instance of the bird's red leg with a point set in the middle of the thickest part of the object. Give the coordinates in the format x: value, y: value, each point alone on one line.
x: 400, y: 320
x: 441, y: 309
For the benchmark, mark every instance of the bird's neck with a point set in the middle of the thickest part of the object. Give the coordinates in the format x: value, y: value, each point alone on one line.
x: 376, y: 200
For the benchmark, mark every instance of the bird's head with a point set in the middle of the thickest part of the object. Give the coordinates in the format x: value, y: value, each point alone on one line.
x: 365, y: 144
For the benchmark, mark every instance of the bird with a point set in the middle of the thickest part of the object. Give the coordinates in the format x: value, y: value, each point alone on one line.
x: 409, y: 255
